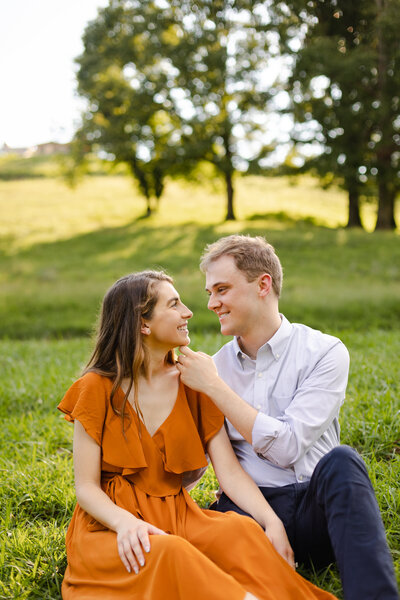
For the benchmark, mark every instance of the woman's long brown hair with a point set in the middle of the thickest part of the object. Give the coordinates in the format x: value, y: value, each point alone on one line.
x: 119, y: 351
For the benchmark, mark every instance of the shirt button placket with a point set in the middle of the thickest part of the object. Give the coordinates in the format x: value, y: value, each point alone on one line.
x: 259, y: 389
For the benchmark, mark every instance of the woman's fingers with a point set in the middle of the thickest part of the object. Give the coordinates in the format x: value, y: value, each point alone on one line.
x: 290, y: 559
x: 144, y: 539
x: 136, y: 546
x: 127, y: 557
x: 132, y: 544
x: 156, y: 531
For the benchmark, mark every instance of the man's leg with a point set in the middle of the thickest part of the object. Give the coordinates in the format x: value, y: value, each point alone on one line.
x: 283, y: 500
x: 335, y: 517
x: 340, y: 503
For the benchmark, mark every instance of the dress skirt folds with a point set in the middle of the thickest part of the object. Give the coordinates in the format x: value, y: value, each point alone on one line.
x: 207, y: 555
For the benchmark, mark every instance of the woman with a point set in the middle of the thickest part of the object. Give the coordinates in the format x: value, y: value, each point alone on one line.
x: 136, y: 532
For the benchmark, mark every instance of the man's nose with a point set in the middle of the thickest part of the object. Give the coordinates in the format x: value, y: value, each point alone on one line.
x: 212, y: 302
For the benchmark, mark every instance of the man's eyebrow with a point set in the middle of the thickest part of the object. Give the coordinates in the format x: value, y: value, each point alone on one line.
x: 214, y: 285
x: 174, y: 299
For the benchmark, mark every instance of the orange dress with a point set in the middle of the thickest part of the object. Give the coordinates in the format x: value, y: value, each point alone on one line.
x: 208, y: 555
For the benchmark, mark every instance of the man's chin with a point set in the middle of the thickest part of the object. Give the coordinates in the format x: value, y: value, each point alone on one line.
x: 225, y: 330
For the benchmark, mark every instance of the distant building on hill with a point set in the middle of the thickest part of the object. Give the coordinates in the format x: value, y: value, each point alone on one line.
x: 46, y: 149
x: 51, y: 148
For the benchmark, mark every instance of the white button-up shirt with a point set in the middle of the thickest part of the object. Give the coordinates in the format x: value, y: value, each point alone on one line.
x: 297, y: 383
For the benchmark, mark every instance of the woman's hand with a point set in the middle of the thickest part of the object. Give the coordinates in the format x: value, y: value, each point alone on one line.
x: 276, y: 533
x: 132, y: 539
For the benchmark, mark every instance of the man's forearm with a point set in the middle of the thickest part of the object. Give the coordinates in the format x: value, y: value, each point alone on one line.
x: 236, y: 410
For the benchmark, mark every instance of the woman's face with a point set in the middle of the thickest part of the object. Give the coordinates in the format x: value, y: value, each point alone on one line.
x: 168, y: 326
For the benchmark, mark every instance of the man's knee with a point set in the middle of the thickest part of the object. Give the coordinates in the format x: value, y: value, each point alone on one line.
x: 343, y: 462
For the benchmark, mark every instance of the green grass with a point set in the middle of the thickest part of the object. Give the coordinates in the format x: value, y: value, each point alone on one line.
x: 59, y: 251
x: 36, y: 481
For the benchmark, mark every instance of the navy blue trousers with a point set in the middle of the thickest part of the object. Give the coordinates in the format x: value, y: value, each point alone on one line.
x: 334, y: 517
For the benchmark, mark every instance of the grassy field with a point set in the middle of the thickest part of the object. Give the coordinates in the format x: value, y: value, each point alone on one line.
x: 60, y: 249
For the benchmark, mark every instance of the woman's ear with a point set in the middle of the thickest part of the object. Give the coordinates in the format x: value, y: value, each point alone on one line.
x: 145, y: 329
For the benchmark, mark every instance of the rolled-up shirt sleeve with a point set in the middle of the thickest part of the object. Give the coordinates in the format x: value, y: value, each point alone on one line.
x: 283, y: 440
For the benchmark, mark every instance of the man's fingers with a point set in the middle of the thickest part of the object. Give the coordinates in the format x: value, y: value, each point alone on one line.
x: 185, y: 350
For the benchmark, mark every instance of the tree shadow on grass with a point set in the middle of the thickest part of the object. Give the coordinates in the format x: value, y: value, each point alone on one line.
x: 54, y: 289
x: 287, y: 219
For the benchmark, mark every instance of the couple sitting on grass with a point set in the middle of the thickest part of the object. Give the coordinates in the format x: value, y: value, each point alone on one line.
x: 265, y: 409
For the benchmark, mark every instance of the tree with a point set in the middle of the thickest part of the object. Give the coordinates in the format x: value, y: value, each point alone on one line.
x: 346, y: 80
x: 122, y: 76
x: 171, y: 83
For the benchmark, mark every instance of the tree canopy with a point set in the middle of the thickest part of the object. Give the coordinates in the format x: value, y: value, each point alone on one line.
x: 172, y: 83
x: 346, y: 79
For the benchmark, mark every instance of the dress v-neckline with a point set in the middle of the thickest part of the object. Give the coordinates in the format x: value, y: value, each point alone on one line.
x: 131, y: 408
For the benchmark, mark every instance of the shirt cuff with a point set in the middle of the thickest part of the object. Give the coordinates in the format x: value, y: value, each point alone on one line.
x: 265, y: 431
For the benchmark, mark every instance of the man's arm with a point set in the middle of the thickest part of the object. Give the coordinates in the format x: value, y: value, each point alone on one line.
x: 285, y: 439
x: 199, y: 372
x: 311, y: 411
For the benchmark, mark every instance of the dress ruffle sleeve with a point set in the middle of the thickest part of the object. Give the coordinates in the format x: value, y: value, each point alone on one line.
x: 86, y: 401
x: 207, y: 417
x: 183, y: 436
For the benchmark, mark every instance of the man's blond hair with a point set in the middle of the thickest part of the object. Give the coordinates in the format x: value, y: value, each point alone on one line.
x: 252, y: 255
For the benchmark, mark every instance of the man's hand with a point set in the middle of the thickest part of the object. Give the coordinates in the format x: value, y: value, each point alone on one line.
x: 199, y: 372
x: 197, y: 369
x: 276, y: 533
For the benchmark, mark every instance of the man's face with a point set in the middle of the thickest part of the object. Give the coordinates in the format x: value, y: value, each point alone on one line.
x: 234, y: 300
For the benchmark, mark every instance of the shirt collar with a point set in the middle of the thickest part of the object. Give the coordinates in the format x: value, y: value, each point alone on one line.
x: 276, y: 344
x: 280, y: 339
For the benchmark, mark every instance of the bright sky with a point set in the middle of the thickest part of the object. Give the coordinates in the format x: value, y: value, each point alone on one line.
x: 39, y: 40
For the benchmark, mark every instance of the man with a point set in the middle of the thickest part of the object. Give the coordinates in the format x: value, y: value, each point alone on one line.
x: 280, y: 386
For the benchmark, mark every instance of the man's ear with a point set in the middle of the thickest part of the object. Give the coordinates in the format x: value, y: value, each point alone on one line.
x: 264, y: 285
x: 145, y: 329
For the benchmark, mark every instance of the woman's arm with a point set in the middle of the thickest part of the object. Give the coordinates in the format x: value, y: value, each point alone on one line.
x: 242, y: 490
x: 132, y: 533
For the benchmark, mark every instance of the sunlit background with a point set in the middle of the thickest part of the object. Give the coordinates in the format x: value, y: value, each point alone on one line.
x: 39, y: 40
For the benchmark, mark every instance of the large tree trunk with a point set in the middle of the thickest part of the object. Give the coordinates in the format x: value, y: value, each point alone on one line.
x: 228, y: 171
x: 387, y: 199
x: 141, y: 178
x: 230, y: 213
x: 354, y: 217
x: 386, y: 174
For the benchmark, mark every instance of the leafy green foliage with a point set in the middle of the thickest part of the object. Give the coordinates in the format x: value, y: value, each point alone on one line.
x: 345, y: 94
x: 174, y: 84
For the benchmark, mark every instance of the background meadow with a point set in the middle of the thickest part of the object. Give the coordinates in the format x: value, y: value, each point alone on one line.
x: 60, y: 249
